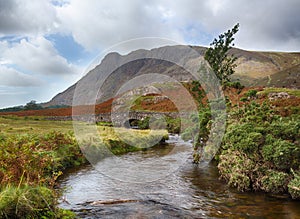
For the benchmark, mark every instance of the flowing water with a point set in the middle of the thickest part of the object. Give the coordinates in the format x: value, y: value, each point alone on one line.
x: 185, y: 191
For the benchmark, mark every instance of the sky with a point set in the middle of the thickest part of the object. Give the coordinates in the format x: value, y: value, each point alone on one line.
x: 47, y: 45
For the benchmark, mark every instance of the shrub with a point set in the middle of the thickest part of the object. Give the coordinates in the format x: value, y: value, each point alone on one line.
x: 294, y: 186
x: 242, y: 138
x: 283, y: 154
x: 244, y: 99
x: 36, y: 158
x: 275, y: 181
x: 251, y: 93
x: 144, y: 124
x: 236, y: 168
x: 260, y: 148
x: 234, y: 84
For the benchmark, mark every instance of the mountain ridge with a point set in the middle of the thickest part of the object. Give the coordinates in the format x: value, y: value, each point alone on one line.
x: 253, y: 68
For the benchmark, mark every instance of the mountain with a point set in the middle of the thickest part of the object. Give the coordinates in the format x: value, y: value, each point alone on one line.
x: 116, y: 71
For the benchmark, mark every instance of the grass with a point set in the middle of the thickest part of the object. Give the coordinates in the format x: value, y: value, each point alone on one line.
x: 35, y: 152
x: 29, y: 167
x: 30, y: 202
x: 11, y: 125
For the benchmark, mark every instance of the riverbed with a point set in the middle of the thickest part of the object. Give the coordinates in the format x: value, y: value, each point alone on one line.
x: 180, y: 190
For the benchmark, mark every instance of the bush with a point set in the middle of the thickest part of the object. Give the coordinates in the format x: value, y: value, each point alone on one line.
x: 287, y: 130
x: 275, y: 181
x: 36, y: 158
x: 259, y: 150
x: 294, y: 186
x: 283, y: 154
x: 251, y: 93
x: 144, y: 124
x: 235, y: 84
x: 236, y: 168
x: 244, y: 99
x: 242, y: 138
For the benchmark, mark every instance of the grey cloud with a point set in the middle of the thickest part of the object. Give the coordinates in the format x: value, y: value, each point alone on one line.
x: 264, y: 24
x: 269, y: 24
x: 26, y: 17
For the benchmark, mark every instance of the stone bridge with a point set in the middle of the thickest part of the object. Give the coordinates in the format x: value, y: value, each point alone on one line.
x: 119, y: 119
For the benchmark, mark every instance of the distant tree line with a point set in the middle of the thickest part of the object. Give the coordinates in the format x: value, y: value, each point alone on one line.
x: 32, y: 105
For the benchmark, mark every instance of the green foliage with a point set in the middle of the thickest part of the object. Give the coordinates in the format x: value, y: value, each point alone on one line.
x: 244, y: 99
x: 283, y: 154
x: 259, y: 149
x: 234, y: 84
x: 32, y: 105
x: 198, y: 92
x: 243, y: 137
x: 236, y: 168
x: 102, y: 123
x: 30, y: 202
x: 37, y: 158
x: 260, y: 114
x: 217, y: 55
x: 204, y: 122
x: 144, y: 124
x: 294, y: 186
x: 251, y: 93
x: 173, y: 124
x: 275, y: 181
x: 287, y: 129
x: 12, y: 109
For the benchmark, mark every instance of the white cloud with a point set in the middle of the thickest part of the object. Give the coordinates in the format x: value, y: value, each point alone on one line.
x: 11, y: 77
x: 264, y: 24
x: 27, y: 17
x: 100, y: 24
x: 38, y: 56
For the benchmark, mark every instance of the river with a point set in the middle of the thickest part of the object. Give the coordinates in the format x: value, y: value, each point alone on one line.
x: 186, y: 191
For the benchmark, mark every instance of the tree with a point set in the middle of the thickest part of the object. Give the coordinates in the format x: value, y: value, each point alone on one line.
x: 217, y: 55
x: 32, y: 105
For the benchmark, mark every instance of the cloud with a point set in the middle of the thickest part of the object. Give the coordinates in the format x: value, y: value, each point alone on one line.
x: 264, y: 24
x: 38, y: 56
x: 27, y: 17
x: 97, y: 24
x: 11, y: 77
x: 100, y: 24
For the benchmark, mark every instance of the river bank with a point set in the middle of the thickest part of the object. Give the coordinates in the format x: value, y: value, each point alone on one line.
x: 188, y: 192
x: 32, y: 160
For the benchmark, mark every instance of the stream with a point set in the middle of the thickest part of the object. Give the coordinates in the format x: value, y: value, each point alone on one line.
x: 184, y: 192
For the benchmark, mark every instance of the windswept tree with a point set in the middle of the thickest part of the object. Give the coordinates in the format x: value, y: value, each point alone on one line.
x: 217, y: 55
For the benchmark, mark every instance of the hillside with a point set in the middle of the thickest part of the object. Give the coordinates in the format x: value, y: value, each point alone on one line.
x: 253, y: 69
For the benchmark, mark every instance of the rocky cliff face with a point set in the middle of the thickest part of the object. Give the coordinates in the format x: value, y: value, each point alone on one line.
x: 115, y: 70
